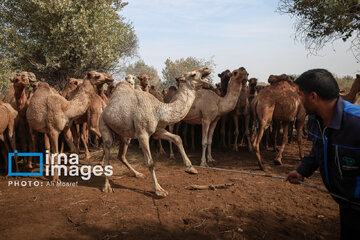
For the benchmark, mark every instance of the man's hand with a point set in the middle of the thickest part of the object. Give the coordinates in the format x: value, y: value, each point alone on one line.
x: 294, y: 177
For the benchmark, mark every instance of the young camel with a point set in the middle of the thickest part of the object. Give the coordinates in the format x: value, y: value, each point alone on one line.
x: 136, y: 114
x: 7, y: 129
x: 353, y: 95
x: 51, y: 114
x: 278, y: 102
x: 208, y: 107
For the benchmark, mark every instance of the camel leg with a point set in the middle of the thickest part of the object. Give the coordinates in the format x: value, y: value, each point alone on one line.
x: 236, y: 132
x: 210, y: 138
x: 107, y: 140
x: 171, y: 130
x: 163, y: 134
x: 161, y: 149
x: 284, y: 141
x: 193, y: 137
x: 144, y: 143
x: 69, y: 140
x: 205, y: 131
x: 32, y: 147
x: 84, y: 138
x: 74, y: 133
x: 7, y: 150
x: 276, y: 127
x: 257, y: 143
x: 12, y: 139
x: 222, y: 131
x: 247, y: 131
x: 123, y: 146
x: 54, y: 138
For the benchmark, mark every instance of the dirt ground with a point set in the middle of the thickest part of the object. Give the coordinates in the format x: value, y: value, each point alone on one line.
x: 253, y: 208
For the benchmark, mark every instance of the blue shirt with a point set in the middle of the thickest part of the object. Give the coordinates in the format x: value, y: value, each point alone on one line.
x: 336, y: 151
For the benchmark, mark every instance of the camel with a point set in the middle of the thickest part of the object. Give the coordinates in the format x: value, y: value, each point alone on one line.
x: 50, y: 113
x: 224, y: 82
x: 242, y: 111
x: 136, y: 114
x: 353, y: 95
x: 278, y: 102
x: 7, y: 129
x: 18, y: 96
x: 208, y: 107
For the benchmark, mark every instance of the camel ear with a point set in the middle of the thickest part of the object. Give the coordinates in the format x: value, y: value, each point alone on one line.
x: 139, y: 77
x: 357, y: 75
x: 219, y: 75
x: 88, y: 75
x: 32, y: 77
x: 12, y: 80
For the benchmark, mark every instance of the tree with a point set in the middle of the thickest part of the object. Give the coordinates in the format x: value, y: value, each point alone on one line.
x: 140, y: 67
x: 6, y: 72
x: 174, y: 69
x: 59, y: 39
x: 323, y: 21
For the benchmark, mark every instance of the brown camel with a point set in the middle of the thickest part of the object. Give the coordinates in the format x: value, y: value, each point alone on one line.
x: 7, y: 129
x: 208, y: 107
x: 353, y: 94
x: 224, y: 82
x: 278, y: 102
x: 136, y: 114
x: 51, y: 114
x: 242, y: 111
x: 19, y: 100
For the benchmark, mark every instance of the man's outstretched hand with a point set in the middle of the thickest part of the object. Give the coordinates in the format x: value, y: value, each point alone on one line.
x: 294, y: 177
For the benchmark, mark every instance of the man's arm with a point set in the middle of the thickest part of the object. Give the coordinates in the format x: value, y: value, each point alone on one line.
x: 306, y: 169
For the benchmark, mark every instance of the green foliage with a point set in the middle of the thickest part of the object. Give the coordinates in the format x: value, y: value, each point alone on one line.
x: 323, y: 21
x: 180, y: 66
x: 56, y: 39
x: 6, y: 72
x: 139, y: 68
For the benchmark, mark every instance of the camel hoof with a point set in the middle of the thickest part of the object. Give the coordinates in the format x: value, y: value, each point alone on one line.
x: 107, y: 189
x: 172, y: 156
x: 29, y: 166
x: 139, y: 175
x: 204, y: 164
x: 161, y: 193
x: 210, y: 159
x: 191, y: 170
x: 102, y: 163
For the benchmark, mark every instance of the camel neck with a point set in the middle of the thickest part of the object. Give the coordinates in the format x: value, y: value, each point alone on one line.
x: 228, y: 102
x: 80, y: 102
x: 20, y: 97
x: 169, y: 113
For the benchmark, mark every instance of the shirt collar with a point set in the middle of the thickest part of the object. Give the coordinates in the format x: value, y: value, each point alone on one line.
x: 337, y: 115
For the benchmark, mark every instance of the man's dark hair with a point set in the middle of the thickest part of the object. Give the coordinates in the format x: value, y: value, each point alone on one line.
x: 320, y: 81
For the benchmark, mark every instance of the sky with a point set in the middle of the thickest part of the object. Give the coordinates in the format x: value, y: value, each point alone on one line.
x: 234, y: 33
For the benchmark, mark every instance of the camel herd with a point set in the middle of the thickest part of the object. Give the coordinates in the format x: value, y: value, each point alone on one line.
x: 33, y: 110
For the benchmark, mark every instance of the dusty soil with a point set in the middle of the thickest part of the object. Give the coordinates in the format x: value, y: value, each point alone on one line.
x: 254, y: 208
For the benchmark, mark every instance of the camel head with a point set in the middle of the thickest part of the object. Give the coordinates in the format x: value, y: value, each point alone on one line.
x: 252, y: 82
x: 195, y: 79
x: 131, y: 79
x: 144, y: 81
x: 279, y: 78
x: 96, y: 78
x: 108, y: 78
x: 240, y: 74
x: 224, y: 81
x: 70, y: 86
x: 23, y: 79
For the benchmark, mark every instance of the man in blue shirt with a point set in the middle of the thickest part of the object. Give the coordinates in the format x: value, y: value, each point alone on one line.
x: 334, y: 128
